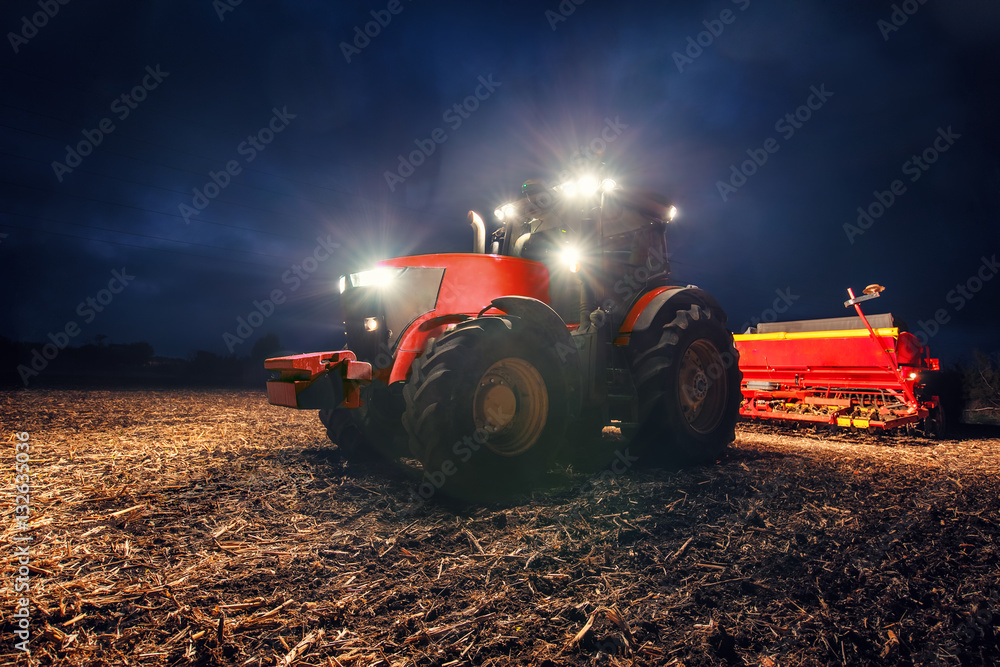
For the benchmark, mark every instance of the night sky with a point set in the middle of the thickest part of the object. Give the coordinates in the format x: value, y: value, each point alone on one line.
x: 192, y: 157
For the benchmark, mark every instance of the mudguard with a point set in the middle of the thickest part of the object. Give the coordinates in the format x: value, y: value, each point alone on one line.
x: 536, y: 312
x: 673, y: 300
x: 666, y: 301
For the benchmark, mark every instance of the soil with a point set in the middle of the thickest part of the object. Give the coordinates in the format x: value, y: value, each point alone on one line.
x: 207, y: 527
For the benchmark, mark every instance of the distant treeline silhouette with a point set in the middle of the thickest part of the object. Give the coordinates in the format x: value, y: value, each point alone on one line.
x: 974, y: 385
x: 39, y: 364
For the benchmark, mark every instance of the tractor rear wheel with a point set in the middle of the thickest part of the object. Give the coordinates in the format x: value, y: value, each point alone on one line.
x: 688, y: 384
x: 486, y: 408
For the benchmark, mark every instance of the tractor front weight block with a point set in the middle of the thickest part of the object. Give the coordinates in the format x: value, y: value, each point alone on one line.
x: 317, y: 381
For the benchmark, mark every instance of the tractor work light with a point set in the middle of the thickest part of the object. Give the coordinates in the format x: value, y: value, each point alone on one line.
x: 342, y: 284
x: 569, y: 188
x: 671, y: 213
x: 504, y: 212
x: 587, y: 186
x: 371, y: 324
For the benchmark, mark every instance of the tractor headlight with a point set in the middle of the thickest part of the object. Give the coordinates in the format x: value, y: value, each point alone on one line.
x: 671, y: 213
x: 371, y: 324
x: 608, y: 184
x: 378, y: 277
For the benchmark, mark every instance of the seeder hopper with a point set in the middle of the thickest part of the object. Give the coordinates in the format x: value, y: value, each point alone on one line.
x: 860, y: 372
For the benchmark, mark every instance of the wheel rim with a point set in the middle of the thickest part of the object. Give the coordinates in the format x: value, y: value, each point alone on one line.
x: 511, y: 405
x: 702, y: 385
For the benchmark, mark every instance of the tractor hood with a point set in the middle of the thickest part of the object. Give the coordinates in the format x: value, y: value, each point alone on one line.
x: 380, y: 304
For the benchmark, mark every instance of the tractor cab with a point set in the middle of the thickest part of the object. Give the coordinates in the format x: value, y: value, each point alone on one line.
x: 590, y: 236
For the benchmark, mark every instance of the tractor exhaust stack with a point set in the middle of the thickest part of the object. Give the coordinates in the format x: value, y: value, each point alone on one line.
x: 479, y: 230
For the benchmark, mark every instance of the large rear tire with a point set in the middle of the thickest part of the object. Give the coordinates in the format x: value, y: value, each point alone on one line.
x: 486, y: 409
x: 688, y: 384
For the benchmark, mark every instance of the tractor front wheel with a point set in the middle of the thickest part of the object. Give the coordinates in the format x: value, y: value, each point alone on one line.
x: 486, y: 408
x: 343, y: 431
x: 370, y: 431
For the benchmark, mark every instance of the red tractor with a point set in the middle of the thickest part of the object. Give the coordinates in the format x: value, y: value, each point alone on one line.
x: 560, y: 322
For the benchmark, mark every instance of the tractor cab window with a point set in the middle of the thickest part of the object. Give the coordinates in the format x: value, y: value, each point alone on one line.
x: 549, y: 247
x: 644, y: 247
x: 544, y: 246
x: 636, y: 247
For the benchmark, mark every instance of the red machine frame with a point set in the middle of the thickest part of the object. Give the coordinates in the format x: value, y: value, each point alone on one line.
x: 864, y: 378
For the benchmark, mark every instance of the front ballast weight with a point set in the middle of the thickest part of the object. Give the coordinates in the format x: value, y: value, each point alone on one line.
x: 319, y: 380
